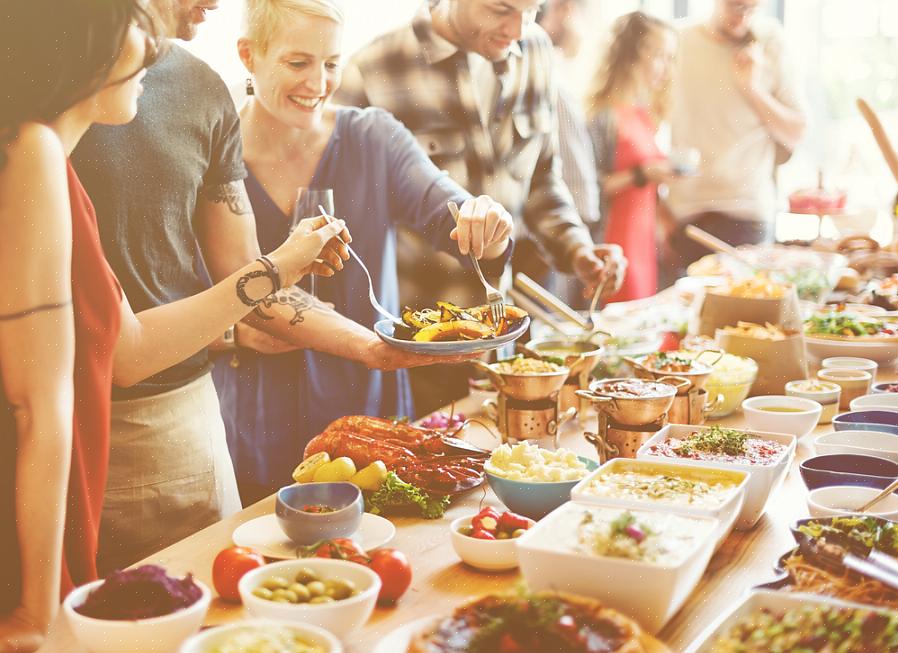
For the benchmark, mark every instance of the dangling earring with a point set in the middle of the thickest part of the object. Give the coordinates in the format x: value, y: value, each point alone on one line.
x: 249, y: 86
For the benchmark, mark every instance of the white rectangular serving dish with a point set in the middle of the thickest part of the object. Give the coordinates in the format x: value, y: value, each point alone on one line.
x: 726, y: 511
x: 650, y: 593
x: 763, y: 479
x: 760, y: 599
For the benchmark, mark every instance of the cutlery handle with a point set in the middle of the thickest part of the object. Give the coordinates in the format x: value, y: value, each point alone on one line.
x: 871, y: 570
x: 529, y: 287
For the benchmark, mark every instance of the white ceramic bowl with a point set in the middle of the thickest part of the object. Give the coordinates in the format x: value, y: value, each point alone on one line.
x: 836, y: 500
x: 155, y: 635
x: 340, y: 617
x: 879, y: 401
x: 650, y: 593
x: 210, y: 640
x: 762, y: 480
x: 850, y: 363
x: 755, y: 600
x: 489, y: 555
x: 865, y: 443
x: 798, y: 423
x: 726, y: 509
x: 881, y: 352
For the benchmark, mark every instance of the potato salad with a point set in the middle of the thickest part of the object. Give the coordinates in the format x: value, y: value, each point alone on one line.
x: 528, y: 462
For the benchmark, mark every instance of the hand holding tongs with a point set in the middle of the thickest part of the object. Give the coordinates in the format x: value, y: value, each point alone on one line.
x: 547, y: 307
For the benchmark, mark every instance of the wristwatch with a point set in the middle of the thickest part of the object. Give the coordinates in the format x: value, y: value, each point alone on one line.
x: 229, y: 338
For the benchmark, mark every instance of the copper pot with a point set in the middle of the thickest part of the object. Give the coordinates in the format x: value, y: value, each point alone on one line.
x: 525, y: 387
x: 693, y: 407
x: 697, y: 378
x: 634, y: 410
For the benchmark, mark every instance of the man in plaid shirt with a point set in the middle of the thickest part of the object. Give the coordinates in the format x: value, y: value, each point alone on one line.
x: 472, y: 79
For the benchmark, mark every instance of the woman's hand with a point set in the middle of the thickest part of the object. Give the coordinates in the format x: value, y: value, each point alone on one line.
x: 659, y: 171
x: 483, y: 228
x: 316, y: 246
x: 18, y: 634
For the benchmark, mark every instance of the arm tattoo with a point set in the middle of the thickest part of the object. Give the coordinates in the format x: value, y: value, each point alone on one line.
x: 299, y: 300
x: 241, y: 287
x: 232, y: 194
x: 31, y: 311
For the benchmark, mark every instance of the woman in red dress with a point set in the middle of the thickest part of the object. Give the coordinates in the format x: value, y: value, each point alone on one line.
x: 65, y: 328
x: 626, y: 107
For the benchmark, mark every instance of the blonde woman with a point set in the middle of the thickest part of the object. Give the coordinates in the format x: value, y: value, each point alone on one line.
x: 294, y: 136
x: 625, y: 109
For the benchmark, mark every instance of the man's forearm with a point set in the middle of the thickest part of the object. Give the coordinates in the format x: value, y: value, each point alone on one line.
x: 297, y: 317
x: 785, y: 124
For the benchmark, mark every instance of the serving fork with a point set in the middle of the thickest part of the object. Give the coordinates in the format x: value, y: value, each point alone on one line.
x: 493, y: 296
x: 371, y: 296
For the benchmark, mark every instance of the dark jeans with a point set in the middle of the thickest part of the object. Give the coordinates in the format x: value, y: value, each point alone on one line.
x: 682, y: 250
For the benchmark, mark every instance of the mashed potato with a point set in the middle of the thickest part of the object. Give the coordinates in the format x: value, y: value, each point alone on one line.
x: 528, y: 462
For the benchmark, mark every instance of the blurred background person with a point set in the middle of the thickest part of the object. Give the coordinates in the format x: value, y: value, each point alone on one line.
x: 628, y: 103
x: 735, y: 100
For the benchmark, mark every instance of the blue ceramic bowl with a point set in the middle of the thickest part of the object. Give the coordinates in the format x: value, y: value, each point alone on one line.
x: 847, y: 469
x: 867, y: 420
x: 880, y: 388
x: 533, y: 499
x: 309, y: 527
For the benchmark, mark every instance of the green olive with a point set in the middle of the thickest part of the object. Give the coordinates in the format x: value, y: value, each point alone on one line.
x: 301, y: 591
x: 276, y: 583
x: 263, y: 593
x: 321, y: 599
x: 339, y: 589
x: 280, y: 594
x: 291, y: 596
x: 519, y: 532
x: 280, y: 599
x: 316, y: 588
x: 305, y: 575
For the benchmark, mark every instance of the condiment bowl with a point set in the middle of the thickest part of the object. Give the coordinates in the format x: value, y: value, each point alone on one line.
x: 534, y: 499
x: 154, y: 635
x: 864, y: 443
x: 489, y: 555
x: 850, y: 363
x: 884, y: 388
x: 308, y: 527
x: 650, y: 592
x: 867, y: 420
x: 854, y: 383
x: 762, y: 479
x: 847, y: 469
x: 796, y: 416
x: 825, y: 393
x: 837, y: 500
x: 882, y: 401
x: 214, y: 639
x: 342, y: 618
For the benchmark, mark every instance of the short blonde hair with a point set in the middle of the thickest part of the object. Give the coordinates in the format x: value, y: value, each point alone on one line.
x: 264, y: 16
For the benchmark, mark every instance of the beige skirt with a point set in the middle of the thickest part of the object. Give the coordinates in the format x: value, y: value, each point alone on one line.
x: 170, y: 474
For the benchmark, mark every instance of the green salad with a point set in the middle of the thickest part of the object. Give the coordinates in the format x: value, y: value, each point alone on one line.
x: 846, y: 324
x: 811, y: 629
x: 867, y: 532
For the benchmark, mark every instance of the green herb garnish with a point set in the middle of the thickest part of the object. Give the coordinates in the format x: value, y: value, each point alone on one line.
x: 395, y: 495
x: 715, y: 440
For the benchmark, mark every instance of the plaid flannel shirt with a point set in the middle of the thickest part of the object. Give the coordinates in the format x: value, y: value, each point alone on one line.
x: 425, y: 82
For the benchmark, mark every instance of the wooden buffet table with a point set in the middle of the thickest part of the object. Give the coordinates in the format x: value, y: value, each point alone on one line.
x: 441, y: 581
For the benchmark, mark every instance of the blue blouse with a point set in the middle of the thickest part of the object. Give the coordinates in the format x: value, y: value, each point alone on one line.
x: 273, y: 405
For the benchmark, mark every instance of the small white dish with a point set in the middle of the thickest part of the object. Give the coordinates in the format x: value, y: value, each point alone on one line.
x: 825, y: 393
x: 400, y: 637
x: 836, y: 500
x: 488, y: 555
x: 865, y: 443
x: 850, y: 363
x: 264, y: 534
x: 212, y: 639
x: 154, y: 635
x: 342, y: 617
x: 799, y: 417
x: 878, y: 401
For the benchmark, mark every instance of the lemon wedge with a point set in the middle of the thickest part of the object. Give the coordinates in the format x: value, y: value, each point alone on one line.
x: 305, y: 470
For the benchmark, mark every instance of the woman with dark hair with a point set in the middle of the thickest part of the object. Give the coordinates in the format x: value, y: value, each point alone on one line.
x: 66, y: 330
x: 627, y: 104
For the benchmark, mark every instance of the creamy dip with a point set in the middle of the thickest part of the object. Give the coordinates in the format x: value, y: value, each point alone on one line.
x: 661, y: 488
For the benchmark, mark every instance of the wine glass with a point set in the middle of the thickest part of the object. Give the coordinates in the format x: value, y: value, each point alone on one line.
x: 307, y: 202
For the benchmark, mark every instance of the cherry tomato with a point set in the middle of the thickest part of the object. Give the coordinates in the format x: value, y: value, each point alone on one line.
x: 229, y: 567
x: 395, y: 573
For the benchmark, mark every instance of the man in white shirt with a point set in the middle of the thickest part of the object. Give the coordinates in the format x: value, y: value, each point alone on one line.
x: 735, y: 101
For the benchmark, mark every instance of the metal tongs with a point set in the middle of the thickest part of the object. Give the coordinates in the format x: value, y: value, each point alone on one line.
x: 548, y: 308
x: 836, y: 556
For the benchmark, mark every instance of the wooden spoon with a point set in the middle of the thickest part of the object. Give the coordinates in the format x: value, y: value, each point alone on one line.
x: 879, y: 134
x: 879, y: 497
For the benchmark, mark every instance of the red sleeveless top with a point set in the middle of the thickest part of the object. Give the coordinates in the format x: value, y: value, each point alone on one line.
x: 96, y: 298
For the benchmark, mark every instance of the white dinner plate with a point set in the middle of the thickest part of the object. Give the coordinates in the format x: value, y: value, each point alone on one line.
x: 264, y: 534
x: 398, y: 639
